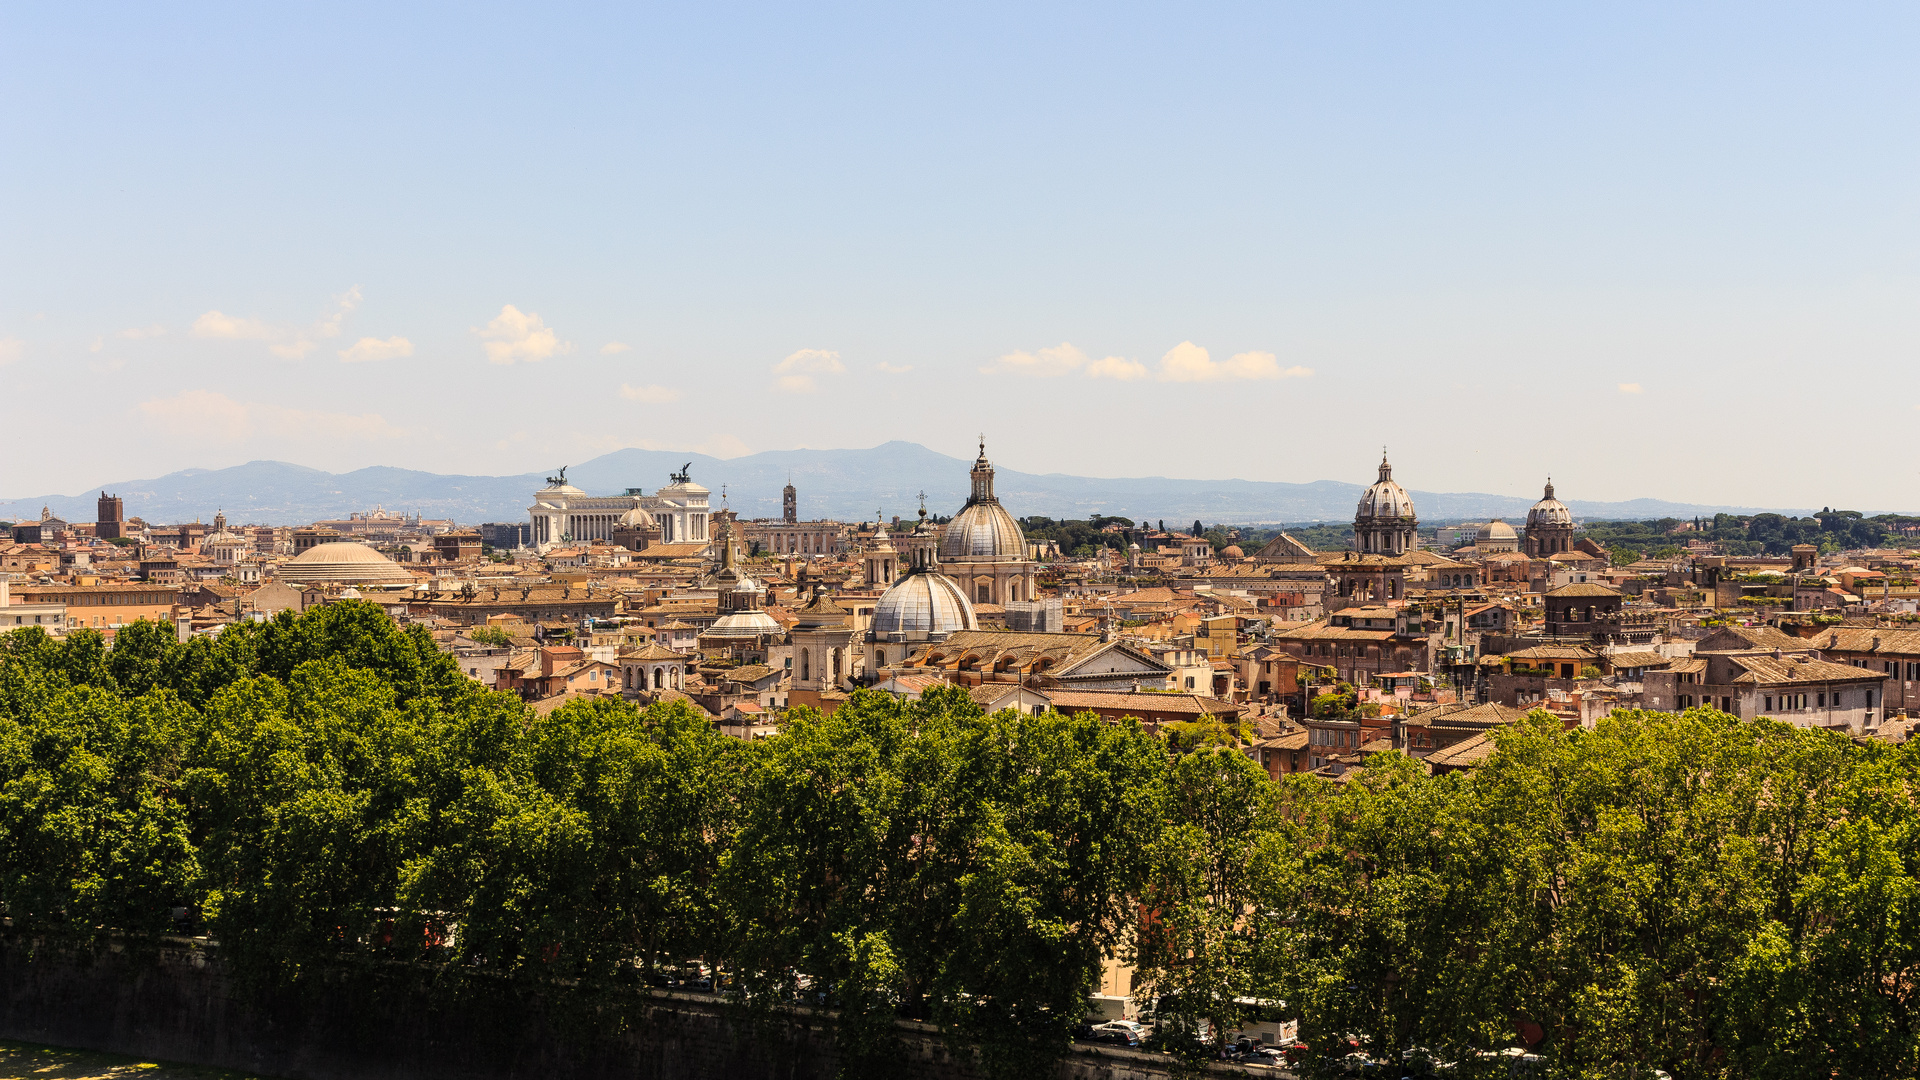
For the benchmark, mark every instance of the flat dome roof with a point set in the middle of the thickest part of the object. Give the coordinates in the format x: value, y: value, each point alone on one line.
x: 344, y: 561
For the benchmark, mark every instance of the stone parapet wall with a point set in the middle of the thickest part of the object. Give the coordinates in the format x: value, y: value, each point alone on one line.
x: 171, y: 1000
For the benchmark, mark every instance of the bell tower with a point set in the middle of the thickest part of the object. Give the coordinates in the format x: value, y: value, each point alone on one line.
x: 789, y: 503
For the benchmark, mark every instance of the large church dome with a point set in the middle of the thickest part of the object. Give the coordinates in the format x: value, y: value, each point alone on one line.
x: 1549, y: 511
x: 984, y: 529
x: 922, y: 605
x: 1496, y: 531
x: 343, y: 562
x: 1385, y: 499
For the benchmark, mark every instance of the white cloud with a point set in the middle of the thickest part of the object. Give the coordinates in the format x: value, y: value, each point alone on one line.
x: 797, y: 371
x: 652, y: 395
x: 343, y: 306
x: 894, y: 369
x: 1187, y: 362
x: 1630, y: 388
x: 1060, y: 359
x: 515, y: 335
x: 368, y: 348
x: 1116, y: 367
x: 216, y: 324
x: 286, y: 342
x: 613, y: 347
x: 208, y: 414
x: 823, y: 361
x: 137, y: 333
x: 11, y: 349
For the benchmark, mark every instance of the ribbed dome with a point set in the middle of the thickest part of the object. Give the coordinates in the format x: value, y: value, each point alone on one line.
x: 1385, y: 499
x: 1549, y: 511
x: 983, y: 530
x: 637, y: 518
x: 924, y: 605
x: 342, y: 561
x: 1497, y: 530
x: 1232, y: 551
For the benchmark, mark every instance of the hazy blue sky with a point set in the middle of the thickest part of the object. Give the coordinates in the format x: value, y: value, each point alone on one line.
x: 1657, y: 250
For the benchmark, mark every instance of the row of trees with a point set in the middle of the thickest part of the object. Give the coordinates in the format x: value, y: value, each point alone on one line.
x: 1753, y: 534
x: 1694, y: 893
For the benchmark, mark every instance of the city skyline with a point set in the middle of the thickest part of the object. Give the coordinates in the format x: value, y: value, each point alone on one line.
x: 843, y: 484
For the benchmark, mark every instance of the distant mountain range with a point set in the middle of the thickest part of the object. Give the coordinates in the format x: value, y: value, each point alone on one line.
x: 845, y: 484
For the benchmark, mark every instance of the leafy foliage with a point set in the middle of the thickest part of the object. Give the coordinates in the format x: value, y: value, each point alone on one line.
x: 1692, y: 893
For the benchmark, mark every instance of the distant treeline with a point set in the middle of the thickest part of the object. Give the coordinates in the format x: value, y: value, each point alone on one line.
x: 328, y: 793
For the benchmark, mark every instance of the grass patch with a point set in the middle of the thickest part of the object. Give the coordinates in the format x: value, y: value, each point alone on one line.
x: 31, y: 1061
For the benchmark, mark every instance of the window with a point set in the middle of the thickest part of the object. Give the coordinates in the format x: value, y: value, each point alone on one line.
x: 1822, y: 702
x: 1769, y: 703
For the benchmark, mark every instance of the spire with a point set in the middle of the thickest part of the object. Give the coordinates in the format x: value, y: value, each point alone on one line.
x: 1386, y: 470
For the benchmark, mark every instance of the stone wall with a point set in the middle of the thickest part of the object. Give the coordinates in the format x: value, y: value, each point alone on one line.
x: 172, y: 1001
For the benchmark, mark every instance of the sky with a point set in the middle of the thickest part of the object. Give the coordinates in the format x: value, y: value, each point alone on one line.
x: 1655, y: 250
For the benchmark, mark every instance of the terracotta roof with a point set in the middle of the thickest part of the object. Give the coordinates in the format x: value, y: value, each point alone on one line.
x: 1767, y: 671
x: 1466, y: 752
x: 1897, y: 731
x: 1194, y: 704
x: 1553, y: 652
x: 1491, y: 714
x: 649, y: 651
x: 1585, y: 590
x: 1318, y: 630
x: 1639, y: 660
x: 1286, y: 740
x: 1760, y: 637
x: 1866, y: 639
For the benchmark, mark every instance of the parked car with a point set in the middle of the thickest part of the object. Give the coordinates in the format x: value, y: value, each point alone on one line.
x: 1118, y: 1033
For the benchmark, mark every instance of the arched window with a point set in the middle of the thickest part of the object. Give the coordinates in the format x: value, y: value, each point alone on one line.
x: 806, y: 671
x: 658, y: 675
